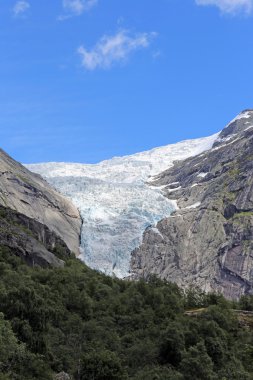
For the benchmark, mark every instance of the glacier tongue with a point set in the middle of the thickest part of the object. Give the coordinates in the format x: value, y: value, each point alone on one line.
x: 115, y: 200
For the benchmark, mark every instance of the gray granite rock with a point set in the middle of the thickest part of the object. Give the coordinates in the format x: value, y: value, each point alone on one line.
x: 30, y: 240
x: 208, y: 241
x: 30, y: 195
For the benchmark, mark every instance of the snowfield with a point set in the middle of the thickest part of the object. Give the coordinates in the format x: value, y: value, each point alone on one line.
x: 115, y: 200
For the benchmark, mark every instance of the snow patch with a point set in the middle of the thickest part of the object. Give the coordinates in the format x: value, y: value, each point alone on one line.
x: 242, y: 115
x: 195, y: 205
x: 225, y: 145
x: 251, y: 126
x: 176, y: 189
x: 156, y: 231
x: 225, y: 139
x: 202, y: 175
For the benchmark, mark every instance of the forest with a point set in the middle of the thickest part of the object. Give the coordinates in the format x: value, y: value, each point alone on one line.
x: 95, y: 327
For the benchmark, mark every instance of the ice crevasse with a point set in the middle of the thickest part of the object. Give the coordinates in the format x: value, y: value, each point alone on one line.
x: 116, y: 201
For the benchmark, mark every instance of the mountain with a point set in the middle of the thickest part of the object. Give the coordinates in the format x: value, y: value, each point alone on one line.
x: 183, y: 211
x: 35, y: 220
x: 208, y: 240
x: 60, y: 319
x: 116, y: 202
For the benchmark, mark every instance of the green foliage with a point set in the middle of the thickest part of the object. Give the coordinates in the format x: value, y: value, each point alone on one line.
x: 246, y: 303
x: 196, y: 364
x: 173, y: 345
x: 158, y: 373
x: 16, y: 362
x: 101, y: 365
x: 91, y: 326
x: 233, y: 370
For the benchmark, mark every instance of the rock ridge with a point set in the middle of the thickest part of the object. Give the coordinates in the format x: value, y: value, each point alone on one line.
x: 208, y: 241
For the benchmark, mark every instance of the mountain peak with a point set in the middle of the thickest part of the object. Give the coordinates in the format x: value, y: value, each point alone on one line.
x: 247, y: 110
x: 240, y: 124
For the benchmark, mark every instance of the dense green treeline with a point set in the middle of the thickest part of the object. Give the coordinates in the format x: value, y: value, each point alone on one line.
x: 98, y: 328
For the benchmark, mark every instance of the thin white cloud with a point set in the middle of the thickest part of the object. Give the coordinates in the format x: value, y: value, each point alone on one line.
x: 112, y: 49
x: 156, y: 54
x: 230, y: 6
x: 76, y: 7
x: 20, y: 8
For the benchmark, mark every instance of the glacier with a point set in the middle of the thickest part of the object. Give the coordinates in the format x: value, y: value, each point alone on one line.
x: 117, y: 201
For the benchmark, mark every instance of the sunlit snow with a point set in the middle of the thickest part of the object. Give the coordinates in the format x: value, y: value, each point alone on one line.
x: 195, y: 205
x: 243, y: 115
x: 116, y: 202
x: 202, y: 175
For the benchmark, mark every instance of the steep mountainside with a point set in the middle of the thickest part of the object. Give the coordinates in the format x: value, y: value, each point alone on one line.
x: 208, y: 240
x: 30, y: 240
x: 31, y: 196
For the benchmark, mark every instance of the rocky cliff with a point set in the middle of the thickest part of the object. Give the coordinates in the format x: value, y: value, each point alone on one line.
x: 30, y: 240
x: 208, y: 241
x: 29, y: 195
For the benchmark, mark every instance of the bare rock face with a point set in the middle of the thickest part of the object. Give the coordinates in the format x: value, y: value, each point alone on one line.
x: 208, y: 241
x: 28, y: 194
x: 30, y: 240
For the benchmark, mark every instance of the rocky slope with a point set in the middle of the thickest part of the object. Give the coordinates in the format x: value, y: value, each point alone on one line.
x: 31, y: 240
x: 49, y: 217
x: 208, y: 241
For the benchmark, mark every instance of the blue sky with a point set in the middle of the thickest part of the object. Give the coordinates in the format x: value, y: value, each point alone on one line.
x: 85, y: 80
